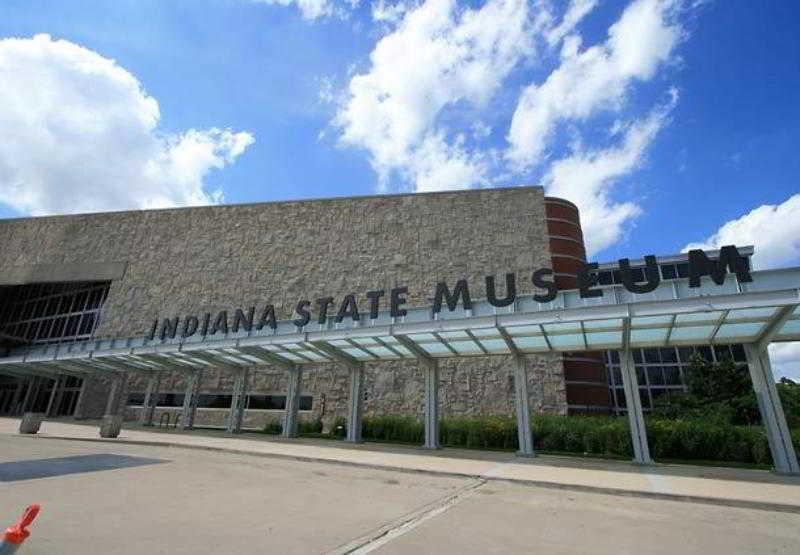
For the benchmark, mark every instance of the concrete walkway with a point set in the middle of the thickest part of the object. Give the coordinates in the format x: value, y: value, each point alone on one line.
x: 724, y: 486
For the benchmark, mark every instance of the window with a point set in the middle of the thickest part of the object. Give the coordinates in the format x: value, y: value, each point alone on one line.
x: 661, y: 371
x: 51, y: 313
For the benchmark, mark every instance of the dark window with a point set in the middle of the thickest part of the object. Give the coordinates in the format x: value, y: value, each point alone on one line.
x: 722, y: 352
x: 617, y: 376
x: 651, y: 356
x: 135, y: 399
x: 267, y: 402
x: 211, y: 401
x: 615, y: 357
x: 683, y: 269
x: 655, y: 376
x: 644, y: 398
x: 705, y: 352
x: 685, y: 353
x: 640, y: 375
x: 672, y: 375
x: 621, y: 398
x: 668, y: 271
x: 668, y: 354
x: 637, y: 356
x: 605, y: 278
x: 637, y: 274
x: 738, y: 353
x: 306, y: 402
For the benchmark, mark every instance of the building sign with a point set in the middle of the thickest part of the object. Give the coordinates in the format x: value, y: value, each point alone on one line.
x: 325, y: 308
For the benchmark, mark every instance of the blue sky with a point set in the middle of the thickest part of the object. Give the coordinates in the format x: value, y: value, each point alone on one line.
x: 670, y: 122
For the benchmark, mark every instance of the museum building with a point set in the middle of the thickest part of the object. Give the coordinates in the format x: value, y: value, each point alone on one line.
x: 303, y: 281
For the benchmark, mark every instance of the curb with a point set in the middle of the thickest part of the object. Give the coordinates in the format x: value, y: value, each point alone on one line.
x: 738, y: 503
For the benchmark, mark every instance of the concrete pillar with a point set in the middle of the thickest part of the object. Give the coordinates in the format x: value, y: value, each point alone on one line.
x: 292, y: 402
x: 57, y: 383
x: 784, y: 457
x: 641, y: 450
x: 190, y: 399
x: 238, y: 402
x: 150, y: 399
x: 431, y: 369
x: 356, y: 403
x: 522, y: 409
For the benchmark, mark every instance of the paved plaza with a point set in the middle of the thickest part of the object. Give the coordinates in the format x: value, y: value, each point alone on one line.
x: 151, y: 492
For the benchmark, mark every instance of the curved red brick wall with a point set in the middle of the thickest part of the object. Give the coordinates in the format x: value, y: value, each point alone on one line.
x: 584, y: 372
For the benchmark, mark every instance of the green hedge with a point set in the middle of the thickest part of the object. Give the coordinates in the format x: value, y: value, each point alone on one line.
x: 594, y: 435
x: 274, y: 426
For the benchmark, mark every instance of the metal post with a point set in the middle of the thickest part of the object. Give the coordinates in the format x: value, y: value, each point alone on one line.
x: 522, y: 407
x: 356, y: 403
x: 238, y: 402
x: 150, y: 400
x: 17, y: 394
x: 115, y: 403
x: 80, y: 402
x: 784, y: 457
x: 29, y: 394
x: 292, y: 402
x: 53, y: 392
x: 431, y: 404
x: 190, y: 399
x: 641, y: 450
x: 115, y: 407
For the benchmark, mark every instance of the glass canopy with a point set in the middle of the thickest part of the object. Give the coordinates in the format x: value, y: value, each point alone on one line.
x: 674, y: 314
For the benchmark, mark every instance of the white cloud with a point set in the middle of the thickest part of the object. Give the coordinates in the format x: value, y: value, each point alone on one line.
x: 437, y: 56
x: 80, y: 134
x: 316, y: 9
x: 785, y: 360
x: 577, y: 10
x: 389, y: 12
x: 774, y: 231
x: 586, y: 177
x: 594, y: 79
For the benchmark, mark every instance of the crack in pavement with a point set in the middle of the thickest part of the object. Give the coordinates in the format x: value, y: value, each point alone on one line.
x: 383, y: 535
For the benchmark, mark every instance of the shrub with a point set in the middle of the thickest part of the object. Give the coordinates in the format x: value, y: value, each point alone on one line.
x: 393, y: 428
x: 309, y: 427
x: 273, y: 426
x: 684, y: 439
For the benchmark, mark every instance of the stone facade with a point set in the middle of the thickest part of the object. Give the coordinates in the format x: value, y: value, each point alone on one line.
x: 197, y: 260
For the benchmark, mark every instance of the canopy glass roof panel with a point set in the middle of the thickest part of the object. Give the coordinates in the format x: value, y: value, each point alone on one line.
x: 765, y: 309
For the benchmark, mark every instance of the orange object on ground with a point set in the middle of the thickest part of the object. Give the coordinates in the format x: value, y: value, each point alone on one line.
x: 19, y: 533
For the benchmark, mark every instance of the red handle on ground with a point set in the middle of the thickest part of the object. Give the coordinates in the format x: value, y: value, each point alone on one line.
x: 18, y: 533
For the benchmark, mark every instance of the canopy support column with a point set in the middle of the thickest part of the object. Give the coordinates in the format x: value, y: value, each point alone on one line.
x: 30, y: 394
x: 356, y: 403
x: 57, y: 382
x: 21, y: 383
x: 238, y: 402
x: 190, y: 399
x: 784, y: 457
x: 295, y: 375
x: 522, y: 408
x: 115, y: 407
x: 641, y: 450
x: 150, y: 400
x: 431, y: 368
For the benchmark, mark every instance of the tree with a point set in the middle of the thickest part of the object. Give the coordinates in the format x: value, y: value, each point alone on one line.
x: 722, y: 391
